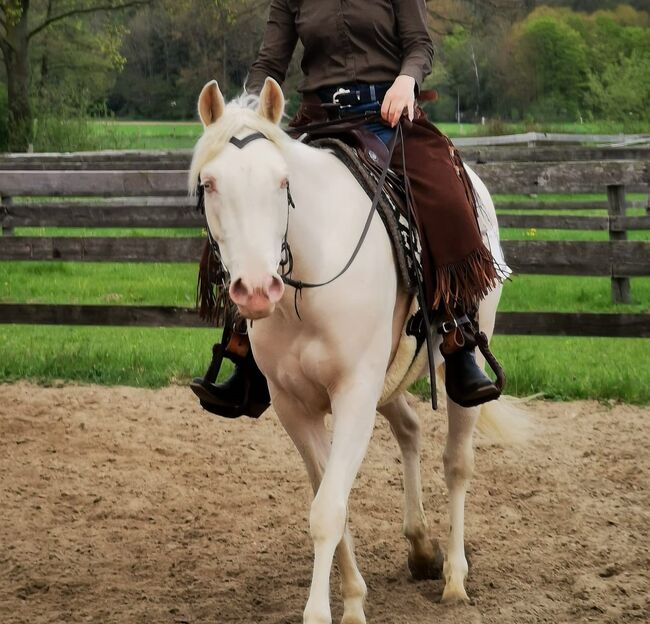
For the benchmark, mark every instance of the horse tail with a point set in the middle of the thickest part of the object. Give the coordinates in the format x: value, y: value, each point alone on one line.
x: 507, y: 421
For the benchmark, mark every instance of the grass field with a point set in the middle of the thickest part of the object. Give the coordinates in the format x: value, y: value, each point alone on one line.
x: 562, y: 368
x: 183, y: 134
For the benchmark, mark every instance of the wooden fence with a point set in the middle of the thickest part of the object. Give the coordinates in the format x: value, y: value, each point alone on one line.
x: 148, y: 189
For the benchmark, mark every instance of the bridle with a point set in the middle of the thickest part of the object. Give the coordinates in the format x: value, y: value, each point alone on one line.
x: 286, y: 261
x: 286, y: 257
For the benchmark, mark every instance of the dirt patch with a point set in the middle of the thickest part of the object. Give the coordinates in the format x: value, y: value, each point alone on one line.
x: 123, y: 505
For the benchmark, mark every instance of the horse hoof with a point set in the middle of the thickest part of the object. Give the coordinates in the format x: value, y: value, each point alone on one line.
x: 454, y: 595
x: 426, y: 567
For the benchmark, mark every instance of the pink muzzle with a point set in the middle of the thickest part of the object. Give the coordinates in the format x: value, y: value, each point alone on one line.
x: 256, y: 298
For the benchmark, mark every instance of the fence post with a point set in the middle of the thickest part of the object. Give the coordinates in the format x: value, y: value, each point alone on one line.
x: 616, y: 208
x: 5, y: 202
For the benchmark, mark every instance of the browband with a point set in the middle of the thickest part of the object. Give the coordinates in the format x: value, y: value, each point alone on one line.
x: 242, y: 143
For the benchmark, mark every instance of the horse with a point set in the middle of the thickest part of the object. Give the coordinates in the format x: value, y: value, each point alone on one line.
x: 331, y: 355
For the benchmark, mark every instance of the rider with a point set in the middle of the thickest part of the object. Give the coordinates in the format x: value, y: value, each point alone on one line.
x: 374, y: 56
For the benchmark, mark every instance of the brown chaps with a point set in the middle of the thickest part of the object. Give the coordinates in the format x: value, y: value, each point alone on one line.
x: 458, y: 268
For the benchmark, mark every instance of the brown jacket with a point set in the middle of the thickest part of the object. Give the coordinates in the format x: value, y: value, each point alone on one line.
x: 344, y: 41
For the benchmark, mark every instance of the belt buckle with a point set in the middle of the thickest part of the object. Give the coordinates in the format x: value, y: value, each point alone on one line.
x: 446, y: 327
x: 335, y: 97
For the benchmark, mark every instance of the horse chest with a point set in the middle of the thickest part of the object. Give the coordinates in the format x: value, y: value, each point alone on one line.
x: 305, y: 366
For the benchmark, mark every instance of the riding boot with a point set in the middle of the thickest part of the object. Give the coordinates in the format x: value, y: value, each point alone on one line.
x: 244, y: 393
x: 465, y: 381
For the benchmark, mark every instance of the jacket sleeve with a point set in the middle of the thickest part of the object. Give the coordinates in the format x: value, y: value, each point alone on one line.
x: 416, y: 42
x: 278, y: 44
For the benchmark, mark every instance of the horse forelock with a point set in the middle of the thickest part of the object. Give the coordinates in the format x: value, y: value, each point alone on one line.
x: 240, y: 114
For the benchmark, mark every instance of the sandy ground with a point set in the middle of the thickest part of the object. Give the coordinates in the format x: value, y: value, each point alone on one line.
x: 130, y: 506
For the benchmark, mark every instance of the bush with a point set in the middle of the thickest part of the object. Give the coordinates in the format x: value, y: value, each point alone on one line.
x: 67, y: 125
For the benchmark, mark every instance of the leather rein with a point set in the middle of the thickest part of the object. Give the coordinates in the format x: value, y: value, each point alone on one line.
x: 286, y: 261
x: 287, y: 258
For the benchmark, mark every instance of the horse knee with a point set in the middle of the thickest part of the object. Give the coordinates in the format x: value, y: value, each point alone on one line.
x: 327, y: 520
x: 407, y: 433
x: 459, y: 465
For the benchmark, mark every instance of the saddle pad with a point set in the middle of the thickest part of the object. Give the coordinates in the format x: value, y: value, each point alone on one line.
x: 391, y: 208
x: 408, y: 365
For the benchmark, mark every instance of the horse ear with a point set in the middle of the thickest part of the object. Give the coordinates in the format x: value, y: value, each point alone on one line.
x: 211, y: 103
x: 271, y: 105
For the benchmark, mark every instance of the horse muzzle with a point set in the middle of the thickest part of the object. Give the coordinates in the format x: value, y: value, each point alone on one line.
x: 256, y: 298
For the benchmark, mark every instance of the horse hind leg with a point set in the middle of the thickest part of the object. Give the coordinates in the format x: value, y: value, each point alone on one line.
x: 312, y: 441
x: 458, y: 459
x: 425, y: 557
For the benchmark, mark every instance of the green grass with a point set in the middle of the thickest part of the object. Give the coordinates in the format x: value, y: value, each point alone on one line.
x: 128, y: 232
x: 145, y: 135
x: 183, y: 134
x: 494, y: 128
x: 98, y: 283
x: 563, y: 368
x: 150, y: 357
x: 559, y: 367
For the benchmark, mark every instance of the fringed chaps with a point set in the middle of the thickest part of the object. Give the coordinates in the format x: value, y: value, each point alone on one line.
x: 458, y: 268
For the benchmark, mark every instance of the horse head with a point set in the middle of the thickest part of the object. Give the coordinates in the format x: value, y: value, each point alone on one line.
x: 245, y: 188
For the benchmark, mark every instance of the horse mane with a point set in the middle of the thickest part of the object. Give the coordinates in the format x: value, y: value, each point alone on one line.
x: 240, y: 114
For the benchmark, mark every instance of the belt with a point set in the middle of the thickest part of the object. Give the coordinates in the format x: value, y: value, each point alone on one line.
x: 353, y: 95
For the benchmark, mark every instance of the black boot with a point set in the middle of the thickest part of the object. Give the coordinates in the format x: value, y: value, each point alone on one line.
x: 465, y: 382
x: 244, y: 393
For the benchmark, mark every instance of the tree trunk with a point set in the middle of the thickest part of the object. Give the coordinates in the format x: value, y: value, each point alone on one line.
x: 16, y: 56
x: 45, y: 66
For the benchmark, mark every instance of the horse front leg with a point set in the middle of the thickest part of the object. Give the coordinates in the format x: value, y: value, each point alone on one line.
x: 353, y: 408
x: 458, y: 460
x: 425, y: 558
x: 312, y: 440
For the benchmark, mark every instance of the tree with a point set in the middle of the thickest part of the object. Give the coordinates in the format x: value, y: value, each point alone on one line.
x: 20, y: 22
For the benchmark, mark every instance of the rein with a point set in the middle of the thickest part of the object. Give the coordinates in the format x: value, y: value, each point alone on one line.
x: 287, y: 258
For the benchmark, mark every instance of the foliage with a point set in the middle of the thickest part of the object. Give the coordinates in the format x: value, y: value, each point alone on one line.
x: 554, y: 64
x: 175, y: 48
x: 510, y: 60
x: 21, y: 23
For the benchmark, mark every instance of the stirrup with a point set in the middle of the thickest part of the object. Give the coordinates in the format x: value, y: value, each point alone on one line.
x: 245, y: 392
x: 471, y: 338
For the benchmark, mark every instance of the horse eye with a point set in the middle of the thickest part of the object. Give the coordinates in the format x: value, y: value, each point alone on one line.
x: 209, y: 186
x: 285, y: 183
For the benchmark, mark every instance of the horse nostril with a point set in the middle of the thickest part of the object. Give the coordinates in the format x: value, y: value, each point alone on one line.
x: 275, y: 289
x: 239, y: 291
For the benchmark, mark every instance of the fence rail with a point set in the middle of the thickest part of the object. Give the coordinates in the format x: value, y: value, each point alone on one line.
x: 148, y: 189
x: 625, y: 258
x: 532, y: 138
x: 500, y: 177
x: 471, y: 150
x: 184, y: 215
x: 508, y: 323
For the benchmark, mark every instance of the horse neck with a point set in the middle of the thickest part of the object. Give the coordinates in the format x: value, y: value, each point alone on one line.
x: 317, y: 224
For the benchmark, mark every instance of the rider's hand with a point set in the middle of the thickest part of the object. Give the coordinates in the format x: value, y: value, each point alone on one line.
x: 400, y: 97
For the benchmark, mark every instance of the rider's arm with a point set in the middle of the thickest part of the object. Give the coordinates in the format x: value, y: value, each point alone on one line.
x: 417, y: 48
x: 417, y: 53
x: 278, y: 44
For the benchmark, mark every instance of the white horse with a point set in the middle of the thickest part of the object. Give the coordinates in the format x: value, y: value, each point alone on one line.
x: 333, y: 359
